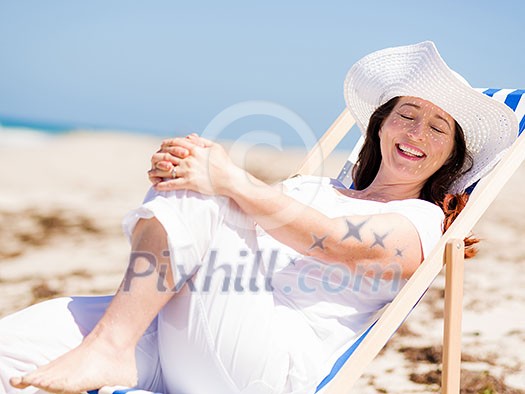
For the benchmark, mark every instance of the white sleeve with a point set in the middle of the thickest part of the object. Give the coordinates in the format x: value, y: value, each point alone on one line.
x: 426, y: 217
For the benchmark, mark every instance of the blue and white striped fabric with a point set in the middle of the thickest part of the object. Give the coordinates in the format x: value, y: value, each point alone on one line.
x: 511, y: 97
x: 120, y: 390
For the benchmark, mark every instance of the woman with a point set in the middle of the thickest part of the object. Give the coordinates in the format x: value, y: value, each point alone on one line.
x: 238, y: 287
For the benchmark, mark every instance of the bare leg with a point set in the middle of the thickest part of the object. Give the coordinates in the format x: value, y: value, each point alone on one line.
x: 106, y: 357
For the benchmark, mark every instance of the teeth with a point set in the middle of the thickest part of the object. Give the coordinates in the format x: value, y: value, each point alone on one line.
x: 410, y: 151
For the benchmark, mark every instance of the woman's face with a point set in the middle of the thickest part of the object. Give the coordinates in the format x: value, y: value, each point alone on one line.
x: 416, y: 139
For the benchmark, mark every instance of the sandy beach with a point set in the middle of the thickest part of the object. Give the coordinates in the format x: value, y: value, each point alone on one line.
x: 62, y: 199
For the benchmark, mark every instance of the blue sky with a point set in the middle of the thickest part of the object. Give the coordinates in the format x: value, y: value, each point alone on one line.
x: 171, y: 67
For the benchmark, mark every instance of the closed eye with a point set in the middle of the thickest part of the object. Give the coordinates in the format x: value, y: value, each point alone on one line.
x: 436, y: 129
x: 405, y: 116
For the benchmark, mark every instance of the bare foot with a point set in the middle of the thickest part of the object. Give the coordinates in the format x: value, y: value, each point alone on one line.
x: 90, y: 366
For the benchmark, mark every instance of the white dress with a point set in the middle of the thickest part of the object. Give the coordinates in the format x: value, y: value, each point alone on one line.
x: 250, y: 315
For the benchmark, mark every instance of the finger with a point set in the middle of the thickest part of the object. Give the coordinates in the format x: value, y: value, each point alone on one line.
x: 197, y: 140
x: 154, y: 173
x: 165, y: 157
x: 178, y: 151
x: 164, y: 165
x: 170, y: 184
x: 181, y: 142
x: 207, y: 143
x: 155, y: 180
x: 159, y: 164
x: 201, y: 141
x: 169, y: 142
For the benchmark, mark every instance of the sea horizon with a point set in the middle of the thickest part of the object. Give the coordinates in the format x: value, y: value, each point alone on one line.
x: 17, y: 130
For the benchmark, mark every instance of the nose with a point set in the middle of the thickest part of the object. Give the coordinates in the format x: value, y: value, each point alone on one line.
x: 417, y: 131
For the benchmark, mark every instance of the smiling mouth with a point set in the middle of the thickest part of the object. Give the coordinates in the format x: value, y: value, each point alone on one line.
x: 410, y: 152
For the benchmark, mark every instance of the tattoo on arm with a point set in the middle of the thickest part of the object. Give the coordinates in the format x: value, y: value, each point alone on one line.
x: 379, y: 239
x: 318, y: 242
x: 353, y: 230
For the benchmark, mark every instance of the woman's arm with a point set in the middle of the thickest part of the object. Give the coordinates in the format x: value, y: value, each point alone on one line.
x: 356, y: 240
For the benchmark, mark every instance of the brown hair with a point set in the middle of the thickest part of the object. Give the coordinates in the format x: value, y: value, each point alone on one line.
x: 435, y: 188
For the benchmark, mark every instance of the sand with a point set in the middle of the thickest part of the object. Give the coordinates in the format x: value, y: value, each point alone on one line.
x: 62, y: 199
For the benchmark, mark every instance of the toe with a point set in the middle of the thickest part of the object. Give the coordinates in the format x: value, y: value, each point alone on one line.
x: 18, y: 382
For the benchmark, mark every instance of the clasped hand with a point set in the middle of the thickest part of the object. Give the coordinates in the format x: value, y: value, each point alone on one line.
x: 193, y: 163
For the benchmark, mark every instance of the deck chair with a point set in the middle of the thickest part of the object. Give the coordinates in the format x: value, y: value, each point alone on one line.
x: 449, y: 251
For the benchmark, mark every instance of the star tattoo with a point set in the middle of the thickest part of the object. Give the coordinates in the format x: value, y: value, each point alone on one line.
x: 379, y: 240
x: 353, y: 230
x: 399, y: 252
x: 293, y: 260
x: 318, y: 242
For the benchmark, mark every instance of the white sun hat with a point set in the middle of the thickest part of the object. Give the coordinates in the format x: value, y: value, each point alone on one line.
x: 418, y: 70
